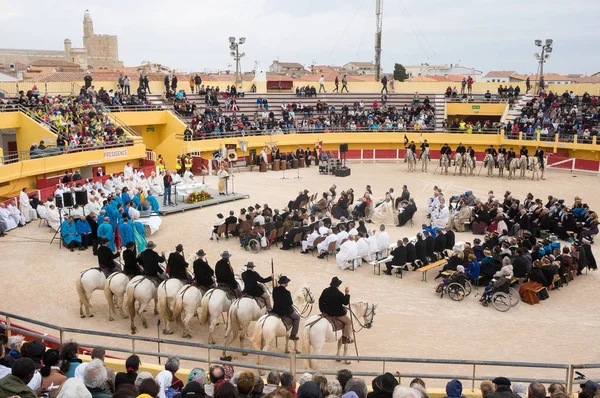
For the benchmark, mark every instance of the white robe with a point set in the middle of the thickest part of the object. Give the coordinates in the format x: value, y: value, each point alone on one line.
x: 324, y: 244
x: 372, y: 246
x: 310, y: 239
x: 15, y: 214
x: 54, y: 219
x: 8, y: 219
x: 384, y: 214
x: 347, y: 253
x: 109, y: 186
x: 439, y: 217
x: 26, y: 210
x: 340, y: 237
x: 362, y: 250
x: 383, y: 241
x: 128, y: 171
x: 156, y: 184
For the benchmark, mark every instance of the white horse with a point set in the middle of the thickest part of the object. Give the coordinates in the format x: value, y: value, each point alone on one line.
x: 458, y: 163
x: 214, y: 303
x: 501, y: 165
x: 242, y: 312
x: 488, y: 161
x: 90, y: 280
x: 114, y: 291
x: 269, y: 327
x: 187, y: 302
x: 444, y: 163
x: 536, y: 170
x: 412, y: 160
x: 425, y: 158
x: 166, y: 295
x: 523, y: 165
x: 318, y: 330
x: 143, y: 290
x: 469, y: 164
x: 512, y: 168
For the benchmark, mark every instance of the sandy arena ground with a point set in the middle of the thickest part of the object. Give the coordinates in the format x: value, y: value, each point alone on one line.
x: 39, y: 279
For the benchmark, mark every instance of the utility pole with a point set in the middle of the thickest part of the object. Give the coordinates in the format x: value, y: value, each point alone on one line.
x: 235, y: 53
x: 379, y: 16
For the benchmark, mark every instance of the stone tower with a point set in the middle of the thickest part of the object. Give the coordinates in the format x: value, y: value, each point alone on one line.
x: 88, y: 28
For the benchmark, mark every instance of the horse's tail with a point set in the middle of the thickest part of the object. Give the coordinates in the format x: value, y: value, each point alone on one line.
x: 178, y: 309
x: 130, y: 301
x: 109, y: 295
x: 233, y: 322
x: 257, y: 336
x: 81, y: 293
x: 306, y: 345
x: 204, y: 309
x: 163, y: 304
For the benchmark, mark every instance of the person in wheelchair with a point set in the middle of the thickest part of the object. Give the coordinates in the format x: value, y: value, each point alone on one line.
x: 256, y: 232
x: 458, y: 277
x: 498, y: 284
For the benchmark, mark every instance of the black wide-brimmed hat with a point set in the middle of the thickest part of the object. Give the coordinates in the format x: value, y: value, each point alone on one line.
x: 283, y: 280
x: 200, y: 253
x: 335, y: 282
x: 250, y: 264
x: 225, y: 254
x: 150, y: 245
x: 129, y: 245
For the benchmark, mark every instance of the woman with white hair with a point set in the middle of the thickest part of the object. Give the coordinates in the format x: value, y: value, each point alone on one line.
x: 94, y: 377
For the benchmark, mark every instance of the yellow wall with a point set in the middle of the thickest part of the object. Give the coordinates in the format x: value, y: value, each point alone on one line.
x: 356, y: 87
x: 28, y: 130
x: 22, y: 174
x: 453, y: 109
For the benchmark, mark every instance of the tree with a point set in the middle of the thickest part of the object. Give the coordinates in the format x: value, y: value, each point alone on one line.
x: 400, y: 72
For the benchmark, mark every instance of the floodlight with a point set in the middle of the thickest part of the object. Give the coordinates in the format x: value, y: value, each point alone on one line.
x: 549, y: 42
x: 537, y: 55
x: 232, y: 39
x: 537, y: 42
x: 549, y: 50
x: 547, y: 56
x: 232, y: 53
x: 242, y: 54
x: 243, y: 40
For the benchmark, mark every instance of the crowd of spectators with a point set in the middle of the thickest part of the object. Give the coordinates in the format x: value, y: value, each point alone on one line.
x: 29, y: 369
x: 567, y: 115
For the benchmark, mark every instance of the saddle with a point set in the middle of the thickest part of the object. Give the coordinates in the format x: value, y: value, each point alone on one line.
x: 336, y: 324
x: 287, y: 321
x: 259, y: 300
x: 229, y: 292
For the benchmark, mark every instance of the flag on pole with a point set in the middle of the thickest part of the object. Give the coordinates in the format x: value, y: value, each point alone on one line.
x: 405, y: 139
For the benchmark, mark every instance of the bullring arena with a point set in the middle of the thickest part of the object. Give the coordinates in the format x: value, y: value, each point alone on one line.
x: 414, y: 331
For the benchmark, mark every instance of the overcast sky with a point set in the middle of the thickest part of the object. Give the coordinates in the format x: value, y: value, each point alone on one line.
x: 192, y: 34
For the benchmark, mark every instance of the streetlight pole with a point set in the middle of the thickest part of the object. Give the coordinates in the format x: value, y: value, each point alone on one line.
x: 545, y: 54
x: 234, y: 47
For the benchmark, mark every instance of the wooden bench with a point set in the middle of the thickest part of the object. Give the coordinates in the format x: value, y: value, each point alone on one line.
x: 377, y: 264
x: 539, y: 290
x: 433, y: 265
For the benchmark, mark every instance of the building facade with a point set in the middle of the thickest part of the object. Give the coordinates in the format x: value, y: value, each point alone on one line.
x: 98, y: 51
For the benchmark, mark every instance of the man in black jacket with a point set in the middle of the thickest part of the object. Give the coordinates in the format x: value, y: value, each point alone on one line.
x: 421, y: 248
x: 231, y: 222
x: 411, y: 252
x: 131, y: 267
x: 502, y: 389
x: 429, y: 245
x: 251, y: 279
x: 288, y: 239
x: 177, y: 265
x: 398, y: 257
x: 203, y: 274
x: 521, y: 264
x: 440, y: 242
x: 283, y: 305
x: 332, y: 302
x: 225, y: 275
x: 106, y: 258
x: 167, y: 84
x: 149, y: 260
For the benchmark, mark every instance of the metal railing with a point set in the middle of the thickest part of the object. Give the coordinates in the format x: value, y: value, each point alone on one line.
x: 20, y: 156
x: 383, y: 363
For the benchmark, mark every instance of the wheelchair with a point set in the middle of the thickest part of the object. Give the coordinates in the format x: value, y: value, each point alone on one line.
x: 502, y: 301
x: 455, y: 290
x: 254, y: 244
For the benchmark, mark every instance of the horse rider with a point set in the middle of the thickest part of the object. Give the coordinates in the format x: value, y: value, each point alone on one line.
x: 178, y: 267
x: 524, y: 152
x: 283, y: 305
x: 149, y: 260
x: 131, y: 267
x: 424, y: 145
x: 461, y: 149
x: 471, y: 153
x: 332, y: 302
x: 203, y: 274
x: 251, y: 279
x: 106, y: 258
x: 502, y: 151
x: 492, y: 151
x: 510, y: 155
x: 411, y: 147
x: 445, y: 151
x: 539, y: 153
x: 225, y: 275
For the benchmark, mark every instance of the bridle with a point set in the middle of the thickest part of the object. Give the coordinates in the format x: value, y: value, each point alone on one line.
x: 308, y: 303
x: 369, y: 314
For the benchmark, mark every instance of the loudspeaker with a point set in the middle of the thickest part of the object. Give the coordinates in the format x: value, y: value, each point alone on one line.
x: 343, y: 172
x: 67, y: 199
x: 343, y: 148
x: 59, y: 203
x: 81, y: 198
